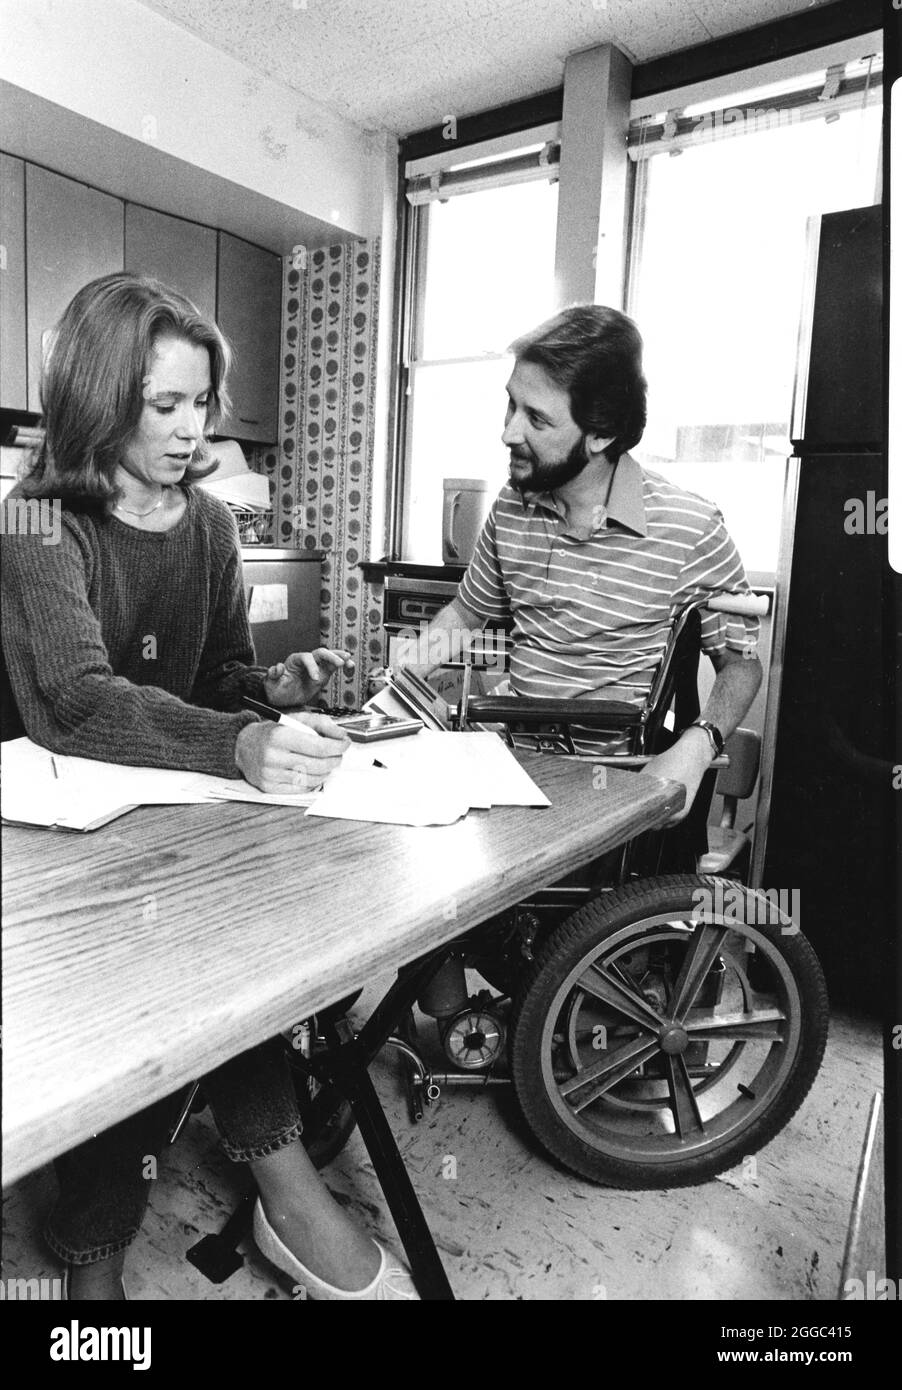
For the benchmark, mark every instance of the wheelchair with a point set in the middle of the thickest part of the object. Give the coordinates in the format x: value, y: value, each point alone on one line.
x: 657, y: 1025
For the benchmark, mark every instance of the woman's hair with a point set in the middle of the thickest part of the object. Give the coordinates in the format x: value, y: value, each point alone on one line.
x: 92, y: 384
x: 595, y: 354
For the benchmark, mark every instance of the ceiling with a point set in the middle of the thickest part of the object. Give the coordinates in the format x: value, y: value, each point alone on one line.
x: 404, y: 65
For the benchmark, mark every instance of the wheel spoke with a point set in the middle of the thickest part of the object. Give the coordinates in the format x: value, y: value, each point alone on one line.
x: 701, y: 953
x: 758, y: 1023
x: 608, y: 1071
x: 686, y: 1115
x: 620, y: 994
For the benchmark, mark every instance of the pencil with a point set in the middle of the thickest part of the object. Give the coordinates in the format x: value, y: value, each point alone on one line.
x: 53, y: 765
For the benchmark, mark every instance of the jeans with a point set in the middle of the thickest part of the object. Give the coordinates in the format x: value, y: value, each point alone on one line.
x: 105, y: 1183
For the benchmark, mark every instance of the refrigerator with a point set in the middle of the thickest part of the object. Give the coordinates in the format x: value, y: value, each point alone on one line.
x: 831, y: 823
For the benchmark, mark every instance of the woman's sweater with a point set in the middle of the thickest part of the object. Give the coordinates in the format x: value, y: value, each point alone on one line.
x: 132, y: 646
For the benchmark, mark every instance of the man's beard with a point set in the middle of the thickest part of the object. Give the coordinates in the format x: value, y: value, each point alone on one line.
x: 545, y: 477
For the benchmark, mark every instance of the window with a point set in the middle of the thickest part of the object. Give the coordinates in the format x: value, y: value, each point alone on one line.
x: 718, y: 267
x: 480, y: 272
x: 722, y: 194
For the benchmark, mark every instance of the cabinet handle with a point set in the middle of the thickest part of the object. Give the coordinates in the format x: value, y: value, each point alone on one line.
x: 245, y: 421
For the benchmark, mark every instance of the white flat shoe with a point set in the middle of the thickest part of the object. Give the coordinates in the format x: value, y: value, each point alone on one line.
x: 392, y: 1282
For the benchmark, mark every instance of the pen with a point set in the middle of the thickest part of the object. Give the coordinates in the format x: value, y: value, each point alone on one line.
x: 269, y: 712
x: 53, y: 765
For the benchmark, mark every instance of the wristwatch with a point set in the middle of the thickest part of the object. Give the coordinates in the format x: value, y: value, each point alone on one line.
x: 713, y: 733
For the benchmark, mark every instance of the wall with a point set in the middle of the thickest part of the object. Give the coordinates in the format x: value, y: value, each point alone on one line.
x: 119, y: 64
x: 326, y: 471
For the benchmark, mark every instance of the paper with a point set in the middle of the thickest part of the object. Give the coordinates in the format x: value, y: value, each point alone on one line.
x: 243, y: 791
x: 40, y: 788
x: 268, y: 603
x: 431, y: 778
x: 250, y: 491
x: 428, y: 778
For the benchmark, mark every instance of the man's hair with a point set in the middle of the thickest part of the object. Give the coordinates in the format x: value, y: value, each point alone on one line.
x: 595, y: 354
x: 92, y: 387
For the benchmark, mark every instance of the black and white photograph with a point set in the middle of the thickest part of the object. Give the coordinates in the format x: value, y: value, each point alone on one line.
x: 451, y: 615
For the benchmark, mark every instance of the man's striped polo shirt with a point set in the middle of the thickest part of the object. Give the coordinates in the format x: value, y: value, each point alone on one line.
x: 592, y: 616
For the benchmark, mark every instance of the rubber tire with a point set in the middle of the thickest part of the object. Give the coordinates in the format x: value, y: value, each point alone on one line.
x: 578, y: 934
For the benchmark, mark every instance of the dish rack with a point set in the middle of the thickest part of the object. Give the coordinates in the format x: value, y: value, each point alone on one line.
x: 254, y: 526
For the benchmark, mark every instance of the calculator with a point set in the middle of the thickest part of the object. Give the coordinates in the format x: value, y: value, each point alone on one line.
x: 367, y: 728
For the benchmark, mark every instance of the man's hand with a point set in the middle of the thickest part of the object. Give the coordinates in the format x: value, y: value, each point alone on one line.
x: 300, y: 677
x: 687, y: 762
x: 282, y: 758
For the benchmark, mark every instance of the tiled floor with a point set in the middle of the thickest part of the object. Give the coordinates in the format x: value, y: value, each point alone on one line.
x: 510, y: 1226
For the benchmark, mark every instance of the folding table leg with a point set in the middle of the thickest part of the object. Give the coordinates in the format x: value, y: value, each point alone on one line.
x: 428, y: 1273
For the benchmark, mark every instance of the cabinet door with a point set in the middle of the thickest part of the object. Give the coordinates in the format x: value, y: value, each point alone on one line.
x: 181, y: 254
x: 13, y: 388
x: 74, y: 234
x: 249, y: 308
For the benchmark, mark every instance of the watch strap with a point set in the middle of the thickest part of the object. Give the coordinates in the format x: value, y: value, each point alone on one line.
x: 714, y: 734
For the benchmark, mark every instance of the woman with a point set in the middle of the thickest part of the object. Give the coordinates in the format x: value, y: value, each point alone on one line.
x: 129, y: 641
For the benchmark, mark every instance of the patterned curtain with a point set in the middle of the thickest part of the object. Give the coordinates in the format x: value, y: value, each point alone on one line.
x: 324, y: 469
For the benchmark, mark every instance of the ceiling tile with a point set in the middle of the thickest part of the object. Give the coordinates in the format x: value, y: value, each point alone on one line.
x: 402, y: 64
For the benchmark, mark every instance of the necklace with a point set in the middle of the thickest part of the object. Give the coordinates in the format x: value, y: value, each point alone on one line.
x: 117, y: 507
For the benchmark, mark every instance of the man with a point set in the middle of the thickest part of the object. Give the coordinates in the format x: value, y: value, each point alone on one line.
x: 591, y: 554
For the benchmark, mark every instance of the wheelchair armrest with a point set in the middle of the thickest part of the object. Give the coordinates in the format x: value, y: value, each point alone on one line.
x: 520, y: 709
x: 632, y: 761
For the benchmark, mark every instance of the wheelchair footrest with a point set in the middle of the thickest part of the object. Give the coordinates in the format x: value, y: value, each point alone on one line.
x: 216, y: 1256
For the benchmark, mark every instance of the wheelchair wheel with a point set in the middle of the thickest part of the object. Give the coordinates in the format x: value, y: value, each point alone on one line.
x: 656, y: 1042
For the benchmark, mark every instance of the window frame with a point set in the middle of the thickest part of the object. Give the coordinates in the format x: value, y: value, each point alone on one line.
x: 413, y: 250
x: 717, y: 94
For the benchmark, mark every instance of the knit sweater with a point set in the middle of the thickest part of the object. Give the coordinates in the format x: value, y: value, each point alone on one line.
x: 132, y: 646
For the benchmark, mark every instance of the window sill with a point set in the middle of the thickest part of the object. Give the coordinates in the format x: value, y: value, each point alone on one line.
x: 374, y: 571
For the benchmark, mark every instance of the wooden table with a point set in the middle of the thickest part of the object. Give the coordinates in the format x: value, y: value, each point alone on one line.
x: 140, y: 956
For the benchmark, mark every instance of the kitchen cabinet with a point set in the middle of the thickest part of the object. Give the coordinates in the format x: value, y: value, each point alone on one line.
x: 249, y: 305
x: 74, y: 234
x: 13, y: 384
x: 181, y: 254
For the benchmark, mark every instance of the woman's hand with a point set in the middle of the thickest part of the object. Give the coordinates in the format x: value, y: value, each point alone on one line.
x: 287, y: 758
x: 300, y: 677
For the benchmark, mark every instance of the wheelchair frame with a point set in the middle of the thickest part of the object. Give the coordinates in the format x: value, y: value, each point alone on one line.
x: 674, y: 684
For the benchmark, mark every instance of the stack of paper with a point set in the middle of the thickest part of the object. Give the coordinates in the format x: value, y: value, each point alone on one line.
x: 42, y: 788
x: 234, y: 482
x: 431, y: 778
x: 250, y: 491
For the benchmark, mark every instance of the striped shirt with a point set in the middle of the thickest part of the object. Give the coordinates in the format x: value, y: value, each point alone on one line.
x: 592, y: 616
